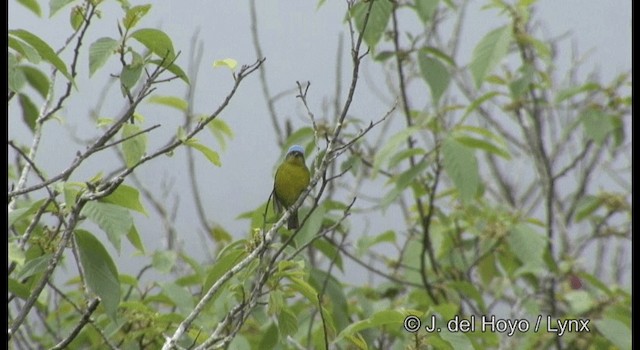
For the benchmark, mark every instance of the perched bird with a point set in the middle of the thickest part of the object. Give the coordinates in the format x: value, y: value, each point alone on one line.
x: 292, y: 177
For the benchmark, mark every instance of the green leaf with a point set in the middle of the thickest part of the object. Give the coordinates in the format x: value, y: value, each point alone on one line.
x: 220, y: 130
x: 287, y: 323
x: 587, y: 206
x: 29, y: 111
x: 16, y: 77
x: 99, y: 53
x: 227, y: 62
x: 135, y: 147
x: 127, y: 197
x: 134, y: 238
x: 16, y: 254
x: 157, y: 42
x: 113, y: 219
x: 435, y: 74
x: 528, y: 245
x: 32, y: 5
x: 378, y: 19
x: 403, y: 181
x: 392, y: 146
x: 24, y: 212
x: 76, y: 17
x: 489, y: 52
x: 57, y: 5
x: 462, y: 167
x: 18, y: 289
x: 38, y: 80
x: 227, y: 259
x: 173, y: 68
x: 171, y: 101
x: 100, y: 271
x: 130, y: 73
x: 270, y: 338
x: 134, y: 15
x: 484, y: 145
x: 25, y: 50
x: 44, y: 50
x: 477, y: 102
x: 164, y: 261
x: 457, y: 340
x: 377, y: 320
x: 211, y: 155
x: 34, y: 266
x: 576, y: 90
x: 425, y: 9
x: 179, y: 296
x: 366, y: 242
x: 597, y: 124
x: 615, y: 331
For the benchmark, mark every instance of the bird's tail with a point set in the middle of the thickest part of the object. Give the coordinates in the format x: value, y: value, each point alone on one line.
x: 292, y: 224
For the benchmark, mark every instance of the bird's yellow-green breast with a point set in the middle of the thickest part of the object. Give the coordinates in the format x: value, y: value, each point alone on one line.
x: 292, y: 177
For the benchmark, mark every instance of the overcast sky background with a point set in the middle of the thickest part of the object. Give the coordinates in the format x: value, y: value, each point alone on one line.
x: 300, y: 43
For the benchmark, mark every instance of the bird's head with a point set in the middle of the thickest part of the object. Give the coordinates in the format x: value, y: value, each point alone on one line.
x: 295, y: 154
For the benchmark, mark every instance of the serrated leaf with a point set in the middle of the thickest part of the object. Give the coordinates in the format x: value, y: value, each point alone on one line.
x: 587, y: 205
x: 377, y: 320
x: 576, y: 90
x: 618, y: 333
x: 134, y: 15
x: 24, y: 49
x: 29, y: 111
x: 435, y: 74
x: 484, y: 145
x: 425, y: 9
x: 113, y: 219
x: 457, y: 340
x: 16, y: 78
x: 38, y: 80
x: 100, y: 271
x: 597, y: 124
x: 287, y: 323
x: 130, y: 73
x: 489, y: 52
x: 462, y: 167
x: 392, y: 146
x: 226, y: 260
x: 220, y: 130
x: 179, y: 296
x: 164, y: 261
x: 134, y: 238
x: 135, y: 147
x: 377, y: 22
x: 528, y: 245
x: 34, y: 266
x: 156, y: 41
x: 127, y: 197
x: 32, y: 5
x: 57, y: 5
x: 227, y: 62
x: 477, y: 102
x: 270, y: 338
x: 76, y: 17
x: 44, y: 50
x: 173, y: 68
x: 171, y: 101
x: 99, y: 53
x: 211, y: 155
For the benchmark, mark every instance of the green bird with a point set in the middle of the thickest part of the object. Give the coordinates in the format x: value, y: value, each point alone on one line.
x: 292, y: 178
